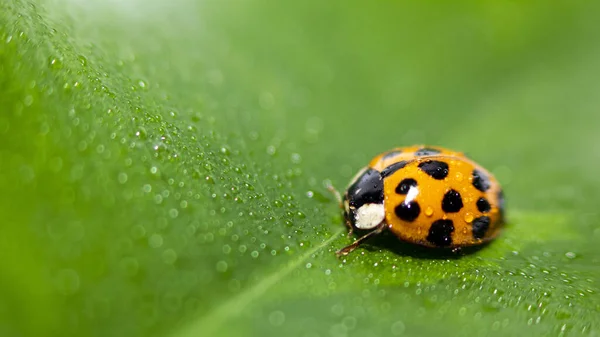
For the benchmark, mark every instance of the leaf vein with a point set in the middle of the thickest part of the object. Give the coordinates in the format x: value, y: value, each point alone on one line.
x: 212, y: 321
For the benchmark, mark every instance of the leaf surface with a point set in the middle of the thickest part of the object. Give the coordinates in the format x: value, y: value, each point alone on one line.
x: 163, y: 166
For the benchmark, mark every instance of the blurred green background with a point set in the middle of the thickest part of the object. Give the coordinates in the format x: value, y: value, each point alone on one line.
x: 162, y: 165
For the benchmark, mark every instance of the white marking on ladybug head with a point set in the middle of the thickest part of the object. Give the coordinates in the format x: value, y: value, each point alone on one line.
x: 368, y: 216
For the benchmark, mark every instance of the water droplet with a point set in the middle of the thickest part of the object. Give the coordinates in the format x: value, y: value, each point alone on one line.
x: 147, y: 188
x: 173, y: 213
x: 155, y: 240
x: 458, y: 176
x: 44, y: 128
x: 570, y: 255
x: 468, y: 218
x: 271, y: 150
x: 429, y: 211
x: 398, y: 328
x: 337, y: 309
x: 277, y: 318
x: 82, y: 146
x: 221, y: 266
x: 28, y: 100
x: 122, y: 177
x: 138, y: 232
x: 169, y: 256
x: 296, y: 159
x: 55, y: 63
x: 141, y: 133
x: 27, y: 174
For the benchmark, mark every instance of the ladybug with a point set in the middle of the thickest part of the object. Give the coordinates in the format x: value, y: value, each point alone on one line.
x: 425, y: 195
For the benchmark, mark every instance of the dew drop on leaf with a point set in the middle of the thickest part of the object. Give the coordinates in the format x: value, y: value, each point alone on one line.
x: 277, y: 318
x: 67, y: 281
x: 169, y: 256
x: 55, y: 63
x: 155, y: 241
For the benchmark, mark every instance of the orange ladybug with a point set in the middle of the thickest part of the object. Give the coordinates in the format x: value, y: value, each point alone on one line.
x: 426, y: 195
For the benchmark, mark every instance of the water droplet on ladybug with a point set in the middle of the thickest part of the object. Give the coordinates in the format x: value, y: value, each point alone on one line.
x: 429, y: 211
x: 469, y: 217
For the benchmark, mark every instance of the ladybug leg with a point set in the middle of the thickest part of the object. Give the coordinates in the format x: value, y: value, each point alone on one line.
x: 338, y: 198
x: 336, y: 194
x: 350, y: 228
x: 346, y: 250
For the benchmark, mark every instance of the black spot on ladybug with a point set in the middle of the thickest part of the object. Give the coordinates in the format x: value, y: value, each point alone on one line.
x: 481, y: 181
x: 434, y: 168
x: 440, y: 233
x: 483, y: 205
x: 480, y: 226
x: 408, y: 211
x: 366, y: 189
x: 426, y: 151
x: 393, y: 168
x: 391, y: 154
x: 501, y: 204
x: 452, y: 202
x: 405, y: 185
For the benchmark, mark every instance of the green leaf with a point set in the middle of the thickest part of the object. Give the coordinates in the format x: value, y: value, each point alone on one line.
x: 163, y: 166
